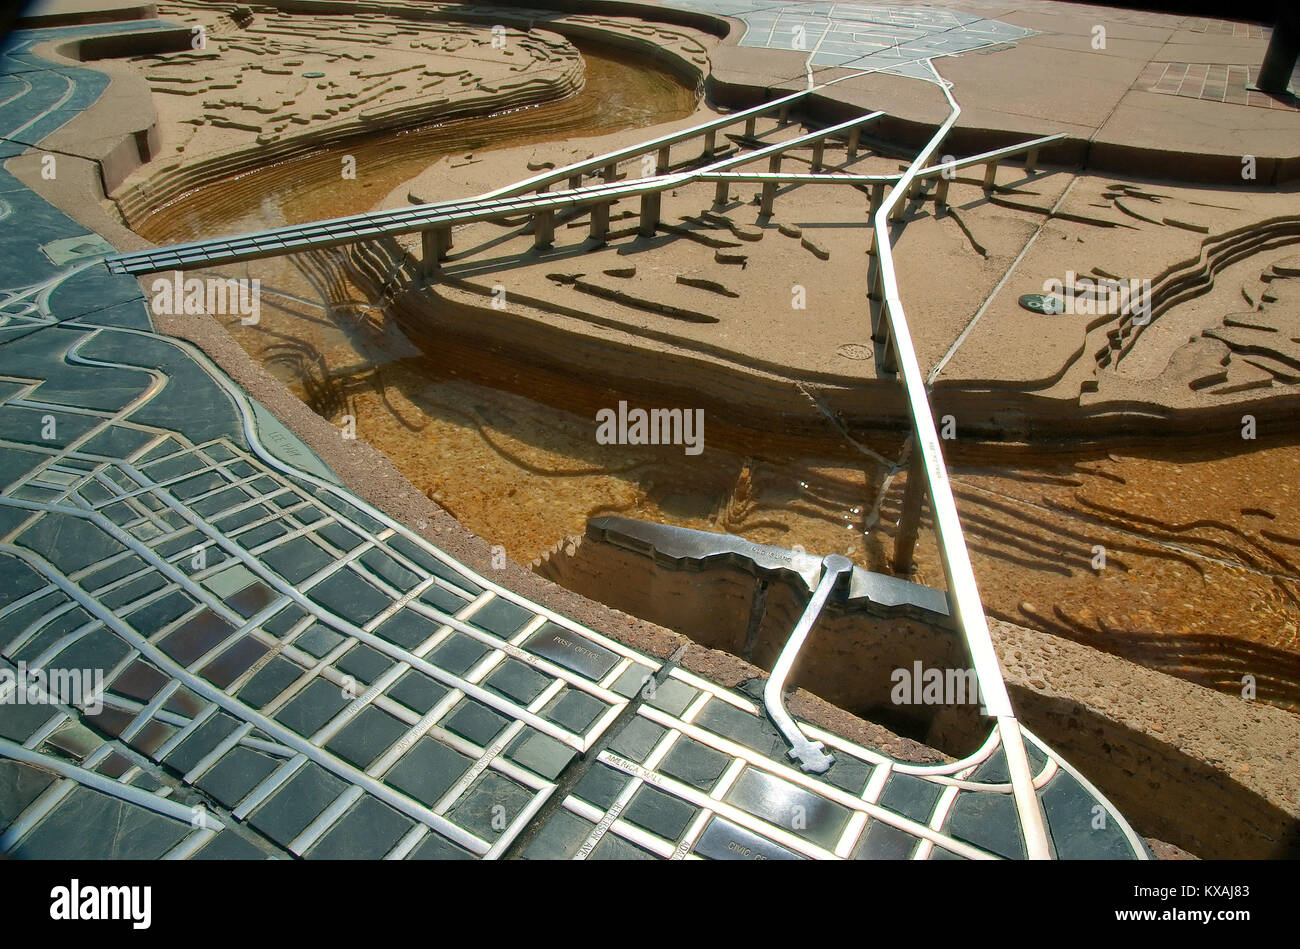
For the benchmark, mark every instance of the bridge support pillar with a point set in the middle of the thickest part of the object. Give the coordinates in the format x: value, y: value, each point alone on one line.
x: 751, y: 126
x: 661, y: 161
x: 819, y: 153
x: 888, y: 358
x: 543, y: 229
x: 990, y: 176
x: 710, y: 142
x: 783, y: 113
x: 941, y: 196
x: 877, y: 197
x: 769, y: 187
x: 611, y: 171
x: 720, y: 193
x: 873, y: 285
x: 855, y: 137
x: 649, y: 214
x: 575, y: 181
x: 600, y: 221
x: 909, y: 521
x: 1031, y: 161
x: 900, y: 208
x: 434, y: 244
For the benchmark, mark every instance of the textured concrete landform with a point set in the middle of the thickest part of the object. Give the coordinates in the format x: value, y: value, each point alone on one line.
x: 698, y: 429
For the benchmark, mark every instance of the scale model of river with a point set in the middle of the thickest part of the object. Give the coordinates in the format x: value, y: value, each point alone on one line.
x: 1185, y: 558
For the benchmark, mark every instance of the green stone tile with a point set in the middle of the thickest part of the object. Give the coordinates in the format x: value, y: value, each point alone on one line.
x: 659, y: 812
x: 345, y: 594
x: 476, y: 722
x: 366, y: 737
x: 697, y: 764
x: 1072, y: 821
x: 671, y: 696
x: 318, y: 640
x: 340, y: 537
x: 987, y: 820
x: 200, y: 743
x: 427, y: 561
x: 364, y: 663
x: 752, y: 731
x: 296, y: 559
x: 516, y: 680
x: 87, y: 825
x: 560, y: 838
x: 228, y: 845
x: 311, y: 708
x: 848, y: 773
x: 502, y: 617
x: 540, y: 753
x: 632, y: 681
x: 269, y: 681
x: 601, y: 786
x: 389, y: 570
x: 442, y: 599
x: 20, y: 784
x: 885, y: 842
x: 638, y: 737
x: 130, y: 592
x: 910, y: 796
x: 366, y: 832
x: 98, y: 649
x: 161, y: 612
x: 417, y: 691
x: 457, y: 653
x: 284, y: 620
x: 490, y: 805
x: 574, y: 710
x: 296, y: 803
x: 239, y: 771
x: 428, y: 771
x: 613, y: 847
x: 407, y: 629
x: 433, y: 847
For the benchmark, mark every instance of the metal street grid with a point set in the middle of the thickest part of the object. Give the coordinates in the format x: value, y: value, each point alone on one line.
x: 880, y: 37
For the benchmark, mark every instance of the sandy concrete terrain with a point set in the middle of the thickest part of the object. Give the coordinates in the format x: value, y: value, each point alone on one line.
x: 298, y: 75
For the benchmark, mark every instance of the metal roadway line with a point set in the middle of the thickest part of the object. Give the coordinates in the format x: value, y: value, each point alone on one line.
x: 345, y: 230
x: 105, y: 785
x: 968, y: 610
x: 641, y: 148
